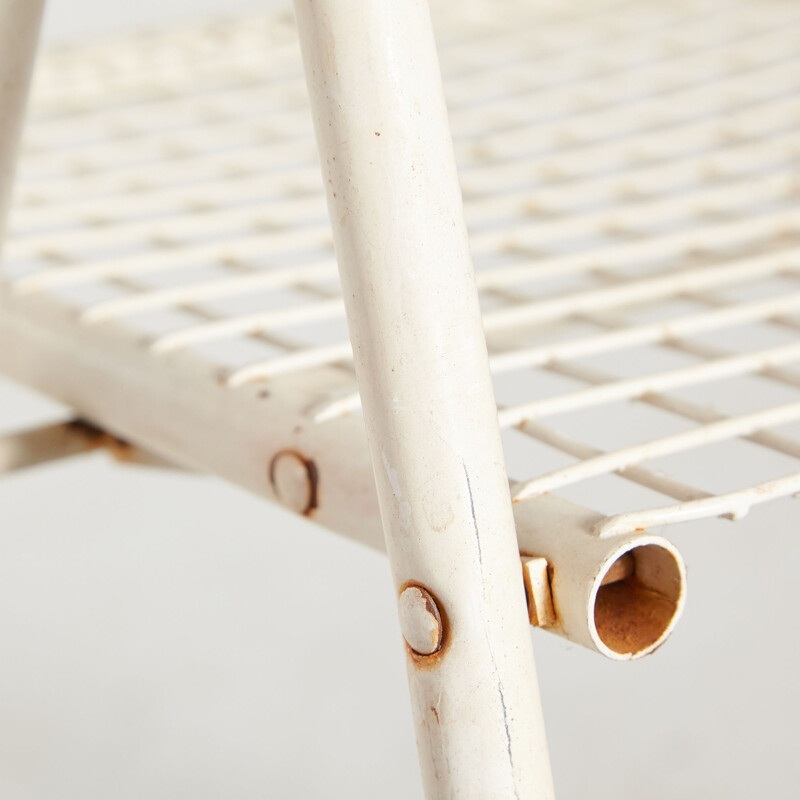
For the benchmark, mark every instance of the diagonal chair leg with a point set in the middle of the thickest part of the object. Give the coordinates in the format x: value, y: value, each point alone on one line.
x: 428, y: 402
x: 19, y: 31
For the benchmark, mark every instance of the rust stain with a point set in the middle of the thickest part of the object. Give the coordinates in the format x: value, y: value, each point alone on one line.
x: 430, y: 662
x: 435, y: 714
x: 121, y: 450
x: 91, y: 434
x: 630, y: 617
x: 313, y: 492
x: 551, y: 572
x: 96, y: 438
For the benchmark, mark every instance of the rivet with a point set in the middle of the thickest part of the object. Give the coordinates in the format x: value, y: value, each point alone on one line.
x: 294, y: 481
x: 420, y: 621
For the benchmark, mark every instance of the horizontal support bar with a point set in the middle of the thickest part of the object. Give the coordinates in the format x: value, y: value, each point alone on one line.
x: 62, y: 440
x: 176, y: 408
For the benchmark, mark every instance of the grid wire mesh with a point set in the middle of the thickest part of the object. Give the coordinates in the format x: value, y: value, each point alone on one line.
x: 630, y: 180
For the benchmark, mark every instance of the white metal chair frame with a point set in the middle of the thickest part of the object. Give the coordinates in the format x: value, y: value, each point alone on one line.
x: 453, y: 536
x: 364, y: 64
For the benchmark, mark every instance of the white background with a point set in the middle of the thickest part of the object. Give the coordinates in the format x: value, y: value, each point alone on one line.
x: 168, y: 636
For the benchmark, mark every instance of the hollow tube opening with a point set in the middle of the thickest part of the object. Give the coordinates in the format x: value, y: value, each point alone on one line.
x: 638, y: 600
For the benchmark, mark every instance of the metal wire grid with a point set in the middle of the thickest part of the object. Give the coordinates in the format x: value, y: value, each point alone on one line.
x: 630, y: 179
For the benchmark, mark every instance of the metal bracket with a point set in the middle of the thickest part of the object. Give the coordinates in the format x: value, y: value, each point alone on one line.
x: 65, y: 439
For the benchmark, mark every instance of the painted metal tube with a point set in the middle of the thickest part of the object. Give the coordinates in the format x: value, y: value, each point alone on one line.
x: 48, y: 443
x: 266, y: 445
x: 20, y: 21
x: 618, y: 595
x: 429, y: 408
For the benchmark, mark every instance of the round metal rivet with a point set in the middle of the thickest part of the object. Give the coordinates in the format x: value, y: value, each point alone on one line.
x: 420, y: 621
x: 293, y: 479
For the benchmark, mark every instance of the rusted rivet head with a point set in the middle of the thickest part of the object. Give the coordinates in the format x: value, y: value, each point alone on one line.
x: 420, y: 621
x: 294, y: 480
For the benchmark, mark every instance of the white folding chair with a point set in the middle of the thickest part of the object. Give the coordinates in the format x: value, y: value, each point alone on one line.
x: 630, y: 187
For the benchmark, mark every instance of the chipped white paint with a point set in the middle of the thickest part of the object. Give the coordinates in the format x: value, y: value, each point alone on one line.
x: 412, y: 309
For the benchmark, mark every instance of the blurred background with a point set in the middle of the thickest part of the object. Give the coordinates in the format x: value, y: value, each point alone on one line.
x: 166, y: 635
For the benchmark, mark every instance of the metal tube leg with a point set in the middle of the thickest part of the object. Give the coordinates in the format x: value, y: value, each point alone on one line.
x: 428, y: 402
x: 19, y: 31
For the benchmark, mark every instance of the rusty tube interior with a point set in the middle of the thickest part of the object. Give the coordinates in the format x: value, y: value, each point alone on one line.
x: 638, y: 600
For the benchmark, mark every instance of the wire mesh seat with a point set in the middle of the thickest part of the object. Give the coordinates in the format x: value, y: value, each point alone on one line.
x: 169, y: 183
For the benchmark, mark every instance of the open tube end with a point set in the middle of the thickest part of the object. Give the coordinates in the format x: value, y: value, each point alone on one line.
x: 637, y: 598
